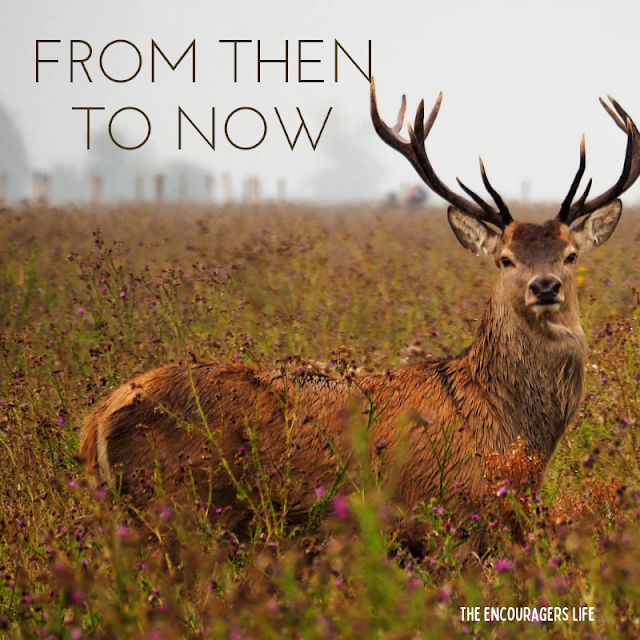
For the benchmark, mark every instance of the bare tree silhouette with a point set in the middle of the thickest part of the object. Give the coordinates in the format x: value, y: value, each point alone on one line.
x: 14, y: 162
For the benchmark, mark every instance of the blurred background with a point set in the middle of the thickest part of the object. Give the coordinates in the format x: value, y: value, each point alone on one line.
x: 521, y: 83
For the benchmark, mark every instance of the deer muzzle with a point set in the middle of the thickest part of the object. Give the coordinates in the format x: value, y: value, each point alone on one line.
x: 545, y: 294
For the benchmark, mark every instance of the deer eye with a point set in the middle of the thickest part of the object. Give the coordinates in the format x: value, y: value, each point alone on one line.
x: 505, y: 262
x: 571, y: 258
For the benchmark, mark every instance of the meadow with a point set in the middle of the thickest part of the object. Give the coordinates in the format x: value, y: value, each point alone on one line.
x: 90, y: 297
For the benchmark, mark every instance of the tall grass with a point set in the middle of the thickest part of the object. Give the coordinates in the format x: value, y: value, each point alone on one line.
x: 89, y: 298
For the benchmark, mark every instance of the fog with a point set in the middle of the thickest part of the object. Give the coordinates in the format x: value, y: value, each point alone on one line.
x: 521, y: 83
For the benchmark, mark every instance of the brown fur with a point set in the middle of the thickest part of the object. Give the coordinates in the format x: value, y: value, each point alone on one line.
x: 522, y: 377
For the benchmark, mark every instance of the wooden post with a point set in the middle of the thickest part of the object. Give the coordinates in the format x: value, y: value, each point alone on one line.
x: 96, y: 190
x: 3, y: 190
x: 282, y: 190
x: 226, y: 189
x: 137, y: 186
x: 183, y: 188
x: 35, y: 189
x: 46, y: 190
x: 208, y: 187
x: 254, y: 190
x: 159, y: 188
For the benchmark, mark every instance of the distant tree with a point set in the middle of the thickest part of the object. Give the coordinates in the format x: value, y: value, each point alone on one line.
x: 351, y: 173
x: 195, y: 180
x: 120, y: 168
x: 113, y: 165
x: 14, y: 162
x: 68, y: 185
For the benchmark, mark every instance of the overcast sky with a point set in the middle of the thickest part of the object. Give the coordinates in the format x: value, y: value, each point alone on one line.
x: 521, y: 82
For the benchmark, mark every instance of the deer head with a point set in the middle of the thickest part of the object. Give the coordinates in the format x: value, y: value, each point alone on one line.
x: 537, y: 261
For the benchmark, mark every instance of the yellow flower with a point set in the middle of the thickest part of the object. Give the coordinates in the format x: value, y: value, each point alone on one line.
x: 580, y: 280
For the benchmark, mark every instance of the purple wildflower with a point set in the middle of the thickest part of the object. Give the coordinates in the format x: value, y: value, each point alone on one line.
x: 341, y: 507
x: 503, y: 565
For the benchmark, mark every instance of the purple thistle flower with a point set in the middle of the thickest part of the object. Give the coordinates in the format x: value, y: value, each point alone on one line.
x: 341, y: 507
x: 81, y: 310
x: 503, y: 565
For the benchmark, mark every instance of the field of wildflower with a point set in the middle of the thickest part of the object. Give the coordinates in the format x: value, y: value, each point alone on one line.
x: 90, y: 297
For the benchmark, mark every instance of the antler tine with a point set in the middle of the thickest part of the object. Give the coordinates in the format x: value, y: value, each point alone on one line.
x: 481, y: 209
x: 433, y: 115
x: 475, y: 197
x: 403, y: 108
x: 502, y: 207
x: 583, y: 197
x: 630, y: 169
x: 614, y: 116
x: 390, y: 135
x: 414, y: 150
x: 566, y: 203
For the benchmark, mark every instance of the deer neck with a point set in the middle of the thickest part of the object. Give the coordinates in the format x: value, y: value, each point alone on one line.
x: 530, y: 371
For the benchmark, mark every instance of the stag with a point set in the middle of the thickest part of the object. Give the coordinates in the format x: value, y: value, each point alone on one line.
x: 243, y: 436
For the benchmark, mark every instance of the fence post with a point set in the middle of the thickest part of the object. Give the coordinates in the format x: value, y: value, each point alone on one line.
x: 159, y: 188
x: 96, y: 190
x: 226, y: 189
x: 35, y: 189
x: 254, y: 193
x: 183, y: 189
x: 46, y: 190
x: 208, y: 187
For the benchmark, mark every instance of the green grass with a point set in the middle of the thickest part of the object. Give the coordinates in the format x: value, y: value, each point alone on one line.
x: 82, y: 310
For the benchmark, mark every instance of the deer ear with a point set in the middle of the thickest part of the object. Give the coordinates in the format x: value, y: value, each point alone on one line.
x: 596, y: 228
x: 472, y: 234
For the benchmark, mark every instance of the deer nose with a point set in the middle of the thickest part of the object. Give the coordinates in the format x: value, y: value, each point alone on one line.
x: 545, y: 289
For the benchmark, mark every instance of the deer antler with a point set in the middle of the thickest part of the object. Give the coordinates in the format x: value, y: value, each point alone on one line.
x: 414, y: 150
x: 569, y: 212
